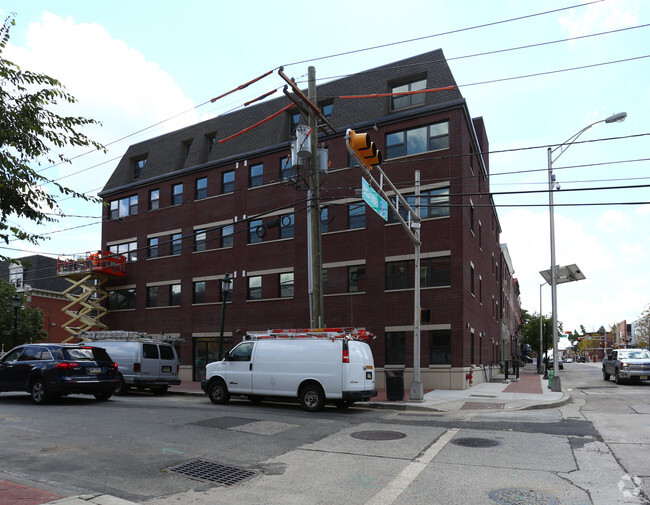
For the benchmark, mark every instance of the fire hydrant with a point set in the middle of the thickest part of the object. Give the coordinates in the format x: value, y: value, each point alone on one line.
x: 469, y: 377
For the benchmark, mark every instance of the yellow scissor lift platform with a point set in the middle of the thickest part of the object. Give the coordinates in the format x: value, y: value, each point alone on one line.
x: 87, y: 275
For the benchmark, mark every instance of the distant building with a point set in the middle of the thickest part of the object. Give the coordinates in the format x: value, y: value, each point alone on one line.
x: 38, y: 281
x: 186, y: 209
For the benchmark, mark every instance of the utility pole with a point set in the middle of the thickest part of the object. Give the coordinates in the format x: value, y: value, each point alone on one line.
x: 314, y: 208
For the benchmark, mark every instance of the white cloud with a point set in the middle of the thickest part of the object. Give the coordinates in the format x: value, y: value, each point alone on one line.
x: 613, y: 220
x: 633, y: 252
x: 603, y: 16
x: 643, y: 210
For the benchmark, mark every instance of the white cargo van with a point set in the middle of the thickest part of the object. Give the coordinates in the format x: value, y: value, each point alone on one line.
x: 315, y: 370
x: 142, y: 364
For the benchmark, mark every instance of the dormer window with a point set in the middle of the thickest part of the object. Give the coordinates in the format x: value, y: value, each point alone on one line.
x: 404, y: 101
x: 16, y: 275
x: 138, y: 166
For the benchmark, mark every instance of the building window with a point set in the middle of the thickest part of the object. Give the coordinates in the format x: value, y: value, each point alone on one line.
x: 356, y: 215
x: 417, y: 140
x: 286, y: 285
x: 356, y: 279
x: 256, y: 175
x: 471, y: 215
x: 175, y: 294
x: 327, y: 110
x: 480, y: 290
x: 395, y: 348
x: 440, y: 347
x: 324, y: 219
x: 228, y: 181
x: 403, y: 101
x: 152, y: 247
x: 471, y: 279
x: 200, y: 240
x: 434, y: 272
x: 16, y: 275
x: 287, y: 226
x: 201, y: 189
x: 255, y: 231
x: 124, y: 207
x: 138, y: 166
x: 128, y: 249
x: 176, y: 243
x: 295, y: 121
x: 255, y: 287
x: 198, y: 292
x: 187, y: 146
x: 154, y: 199
x: 212, y: 139
x: 152, y: 296
x: 121, y: 299
x: 286, y: 168
x: 177, y: 194
x: 227, y: 235
x: 480, y: 234
x: 433, y: 203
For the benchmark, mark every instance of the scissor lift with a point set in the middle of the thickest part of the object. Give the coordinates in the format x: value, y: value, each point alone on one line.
x: 87, y: 275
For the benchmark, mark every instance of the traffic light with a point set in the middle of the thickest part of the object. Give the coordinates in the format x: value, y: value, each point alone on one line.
x: 365, y: 149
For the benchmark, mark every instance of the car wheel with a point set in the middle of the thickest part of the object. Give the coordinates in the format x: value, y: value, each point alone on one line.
x: 605, y: 375
x: 39, y: 392
x: 218, y: 392
x: 617, y: 378
x: 312, y: 398
x: 123, y: 387
x: 103, y: 396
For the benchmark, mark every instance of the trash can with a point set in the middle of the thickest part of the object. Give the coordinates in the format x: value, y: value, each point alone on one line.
x: 395, y: 385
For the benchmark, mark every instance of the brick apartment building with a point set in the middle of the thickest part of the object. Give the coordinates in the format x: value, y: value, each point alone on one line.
x: 186, y: 209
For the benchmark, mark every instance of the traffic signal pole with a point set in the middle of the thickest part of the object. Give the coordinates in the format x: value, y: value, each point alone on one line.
x: 365, y: 153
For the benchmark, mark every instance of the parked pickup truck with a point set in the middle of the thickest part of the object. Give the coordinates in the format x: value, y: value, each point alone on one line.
x: 624, y: 364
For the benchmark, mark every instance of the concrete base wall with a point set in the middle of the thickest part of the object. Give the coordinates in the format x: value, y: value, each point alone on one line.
x: 446, y: 378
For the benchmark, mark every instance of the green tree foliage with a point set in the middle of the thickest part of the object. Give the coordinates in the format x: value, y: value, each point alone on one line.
x: 29, y: 130
x: 530, y: 331
x: 643, y: 329
x: 30, y: 320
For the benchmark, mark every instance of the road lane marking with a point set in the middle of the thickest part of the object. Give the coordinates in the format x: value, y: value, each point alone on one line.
x: 401, y: 482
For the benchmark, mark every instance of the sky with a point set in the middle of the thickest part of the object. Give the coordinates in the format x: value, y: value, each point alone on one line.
x: 145, y: 68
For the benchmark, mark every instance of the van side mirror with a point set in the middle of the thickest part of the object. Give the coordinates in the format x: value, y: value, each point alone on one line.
x: 226, y: 356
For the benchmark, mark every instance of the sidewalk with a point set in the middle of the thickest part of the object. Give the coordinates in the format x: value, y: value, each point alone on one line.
x: 530, y: 391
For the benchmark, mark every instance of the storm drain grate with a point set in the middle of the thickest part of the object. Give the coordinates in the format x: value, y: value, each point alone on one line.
x: 474, y: 442
x: 212, y: 472
x: 521, y: 497
x: 378, y: 435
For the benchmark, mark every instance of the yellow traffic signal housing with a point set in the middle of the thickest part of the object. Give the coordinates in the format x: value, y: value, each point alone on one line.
x: 365, y: 149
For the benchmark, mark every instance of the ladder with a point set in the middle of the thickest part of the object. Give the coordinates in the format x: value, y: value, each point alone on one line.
x: 87, y: 275
x: 332, y: 333
x: 125, y: 336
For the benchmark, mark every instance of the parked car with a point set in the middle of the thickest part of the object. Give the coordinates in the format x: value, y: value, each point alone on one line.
x: 48, y: 371
x: 569, y: 360
x: 581, y: 359
x: 142, y: 364
x: 313, y: 370
x: 632, y: 364
x: 560, y: 363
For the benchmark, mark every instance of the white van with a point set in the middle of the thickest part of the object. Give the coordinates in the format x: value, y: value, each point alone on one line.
x: 142, y: 364
x: 315, y: 370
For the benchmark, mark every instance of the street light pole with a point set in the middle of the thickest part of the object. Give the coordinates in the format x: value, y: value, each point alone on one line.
x: 615, y: 118
x: 225, y: 290
x: 541, y: 319
x: 16, y: 303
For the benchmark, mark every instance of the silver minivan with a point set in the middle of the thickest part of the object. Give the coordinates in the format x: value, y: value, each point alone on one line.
x: 143, y: 364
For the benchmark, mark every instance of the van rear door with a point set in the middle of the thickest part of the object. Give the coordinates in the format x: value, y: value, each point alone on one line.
x: 359, y: 374
x: 168, y: 362
x: 150, y: 367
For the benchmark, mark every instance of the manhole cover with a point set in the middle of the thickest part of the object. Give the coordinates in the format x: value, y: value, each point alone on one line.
x: 212, y: 472
x: 521, y: 497
x: 474, y: 442
x: 378, y: 435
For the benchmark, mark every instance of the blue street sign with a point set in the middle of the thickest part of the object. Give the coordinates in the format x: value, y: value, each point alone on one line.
x: 372, y: 198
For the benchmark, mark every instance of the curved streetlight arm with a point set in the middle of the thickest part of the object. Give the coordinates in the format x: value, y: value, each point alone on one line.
x: 614, y: 118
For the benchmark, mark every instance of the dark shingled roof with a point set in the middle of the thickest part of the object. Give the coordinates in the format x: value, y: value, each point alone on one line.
x: 166, y: 156
x: 39, y: 272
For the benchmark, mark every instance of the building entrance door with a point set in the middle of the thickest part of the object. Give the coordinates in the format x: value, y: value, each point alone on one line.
x: 205, y: 351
